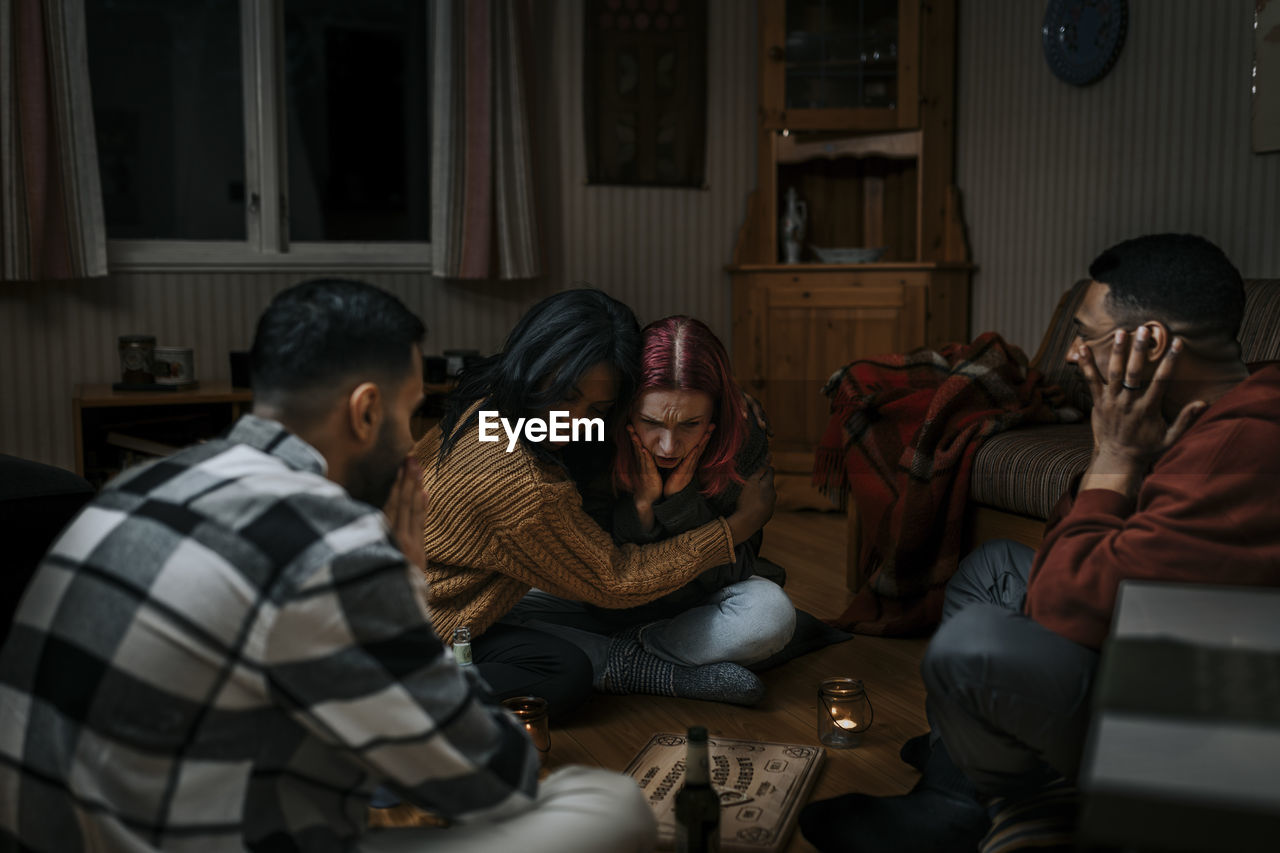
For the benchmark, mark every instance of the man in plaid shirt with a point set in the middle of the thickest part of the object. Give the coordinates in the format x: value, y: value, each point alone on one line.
x: 229, y: 649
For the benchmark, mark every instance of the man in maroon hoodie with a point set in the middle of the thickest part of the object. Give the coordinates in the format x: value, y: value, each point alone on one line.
x: 1180, y: 487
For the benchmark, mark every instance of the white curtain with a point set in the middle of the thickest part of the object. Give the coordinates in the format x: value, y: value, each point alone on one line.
x: 483, y: 211
x: 50, y: 193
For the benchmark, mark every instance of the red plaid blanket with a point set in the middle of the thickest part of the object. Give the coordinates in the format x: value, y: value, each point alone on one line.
x: 901, y: 439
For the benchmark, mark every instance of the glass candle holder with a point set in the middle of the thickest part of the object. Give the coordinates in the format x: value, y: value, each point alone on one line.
x: 844, y: 712
x: 532, y: 712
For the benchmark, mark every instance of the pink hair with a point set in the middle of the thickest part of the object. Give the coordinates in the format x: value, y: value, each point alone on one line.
x: 680, y: 353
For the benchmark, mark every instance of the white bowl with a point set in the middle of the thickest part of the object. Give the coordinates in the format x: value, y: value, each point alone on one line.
x: 847, y: 256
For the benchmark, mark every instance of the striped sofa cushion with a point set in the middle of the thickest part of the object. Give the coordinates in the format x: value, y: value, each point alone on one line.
x: 1260, y: 332
x: 1027, y: 470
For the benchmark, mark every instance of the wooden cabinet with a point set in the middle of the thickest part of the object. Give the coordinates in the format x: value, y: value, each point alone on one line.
x: 116, y: 429
x: 794, y: 326
x: 856, y: 115
x: 873, y: 175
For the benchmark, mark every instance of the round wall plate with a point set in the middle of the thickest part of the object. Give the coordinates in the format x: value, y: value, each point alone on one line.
x: 1082, y: 38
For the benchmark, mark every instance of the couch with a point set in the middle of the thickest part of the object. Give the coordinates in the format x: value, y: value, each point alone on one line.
x: 36, y: 502
x: 1018, y: 476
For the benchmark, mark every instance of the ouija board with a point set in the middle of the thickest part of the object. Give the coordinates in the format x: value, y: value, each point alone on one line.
x: 762, y: 787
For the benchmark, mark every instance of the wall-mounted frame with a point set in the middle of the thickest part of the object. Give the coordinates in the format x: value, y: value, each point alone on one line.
x: 1266, y: 76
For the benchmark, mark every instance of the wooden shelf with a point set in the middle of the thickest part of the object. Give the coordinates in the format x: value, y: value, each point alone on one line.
x: 913, y: 266
x: 796, y: 148
x: 217, y: 391
x: 113, y: 429
x: 432, y: 388
x: 102, y: 394
x: 143, y: 422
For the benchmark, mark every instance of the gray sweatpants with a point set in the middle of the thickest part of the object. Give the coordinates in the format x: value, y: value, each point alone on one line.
x: 577, y: 810
x: 1008, y: 697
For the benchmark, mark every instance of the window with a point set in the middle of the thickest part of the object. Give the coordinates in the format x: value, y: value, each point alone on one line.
x: 262, y: 133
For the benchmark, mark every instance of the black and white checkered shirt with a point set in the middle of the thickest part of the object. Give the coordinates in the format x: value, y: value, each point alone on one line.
x: 226, y: 651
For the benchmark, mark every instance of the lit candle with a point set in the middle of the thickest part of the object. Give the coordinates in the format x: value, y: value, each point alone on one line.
x: 844, y: 712
x: 531, y: 711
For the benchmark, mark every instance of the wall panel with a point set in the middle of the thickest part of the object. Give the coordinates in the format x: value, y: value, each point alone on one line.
x: 1052, y: 174
x: 660, y: 250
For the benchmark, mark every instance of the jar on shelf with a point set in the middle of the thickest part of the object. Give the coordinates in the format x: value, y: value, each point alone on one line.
x: 137, y: 359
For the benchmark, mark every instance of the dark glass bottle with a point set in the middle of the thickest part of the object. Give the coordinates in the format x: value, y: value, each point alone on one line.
x: 697, y: 806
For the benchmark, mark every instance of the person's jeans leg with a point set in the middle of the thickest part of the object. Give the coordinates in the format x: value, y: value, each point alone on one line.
x: 517, y: 660
x: 993, y: 573
x: 744, y: 623
x: 577, y: 810
x: 571, y: 621
x: 1009, y: 698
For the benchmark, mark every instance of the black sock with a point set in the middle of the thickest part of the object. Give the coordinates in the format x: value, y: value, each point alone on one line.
x: 915, y: 751
x: 941, y: 815
x: 924, y: 821
x: 941, y: 774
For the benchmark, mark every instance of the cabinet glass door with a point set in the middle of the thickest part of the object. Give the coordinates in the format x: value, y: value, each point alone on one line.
x: 836, y: 65
x: 841, y: 54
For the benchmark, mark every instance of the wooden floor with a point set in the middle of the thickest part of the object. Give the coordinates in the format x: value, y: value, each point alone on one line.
x: 611, y: 730
x: 810, y: 545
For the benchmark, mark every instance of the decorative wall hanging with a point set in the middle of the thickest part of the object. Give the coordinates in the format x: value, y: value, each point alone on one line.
x: 1082, y: 38
x: 645, y: 92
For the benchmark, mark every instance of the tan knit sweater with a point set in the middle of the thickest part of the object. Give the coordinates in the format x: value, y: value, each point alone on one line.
x: 500, y: 523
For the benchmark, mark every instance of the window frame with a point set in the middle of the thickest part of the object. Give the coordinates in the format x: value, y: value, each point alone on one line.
x: 266, y: 245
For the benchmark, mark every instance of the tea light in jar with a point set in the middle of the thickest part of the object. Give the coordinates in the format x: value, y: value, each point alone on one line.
x: 844, y: 712
x: 531, y: 711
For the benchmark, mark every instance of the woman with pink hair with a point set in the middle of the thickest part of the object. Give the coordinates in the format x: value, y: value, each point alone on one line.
x: 687, y: 445
x: 683, y: 454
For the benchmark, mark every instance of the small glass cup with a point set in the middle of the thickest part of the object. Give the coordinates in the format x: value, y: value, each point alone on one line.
x: 844, y: 712
x: 532, y: 712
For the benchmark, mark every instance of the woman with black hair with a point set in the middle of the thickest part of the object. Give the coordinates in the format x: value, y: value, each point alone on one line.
x: 506, y: 516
